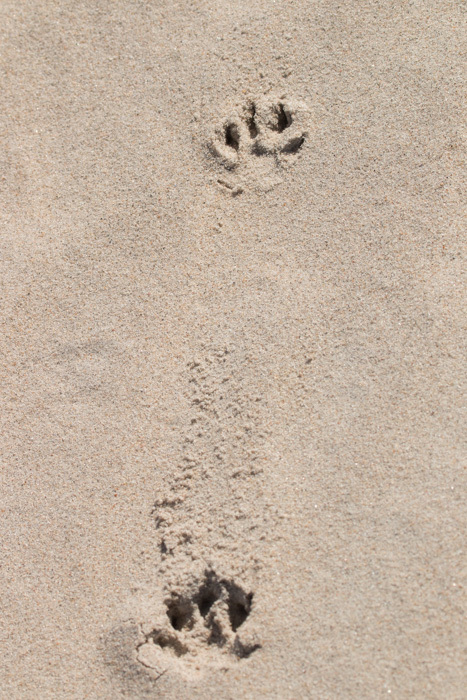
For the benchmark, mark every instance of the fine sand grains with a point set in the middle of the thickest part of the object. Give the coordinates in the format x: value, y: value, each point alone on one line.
x: 232, y: 353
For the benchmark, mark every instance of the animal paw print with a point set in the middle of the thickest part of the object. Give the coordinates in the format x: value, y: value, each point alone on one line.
x: 201, y: 625
x: 260, y: 140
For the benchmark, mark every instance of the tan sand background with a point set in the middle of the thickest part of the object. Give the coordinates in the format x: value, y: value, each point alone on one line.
x: 247, y: 378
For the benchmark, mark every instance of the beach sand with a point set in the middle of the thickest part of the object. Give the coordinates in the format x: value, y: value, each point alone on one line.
x: 231, y: 338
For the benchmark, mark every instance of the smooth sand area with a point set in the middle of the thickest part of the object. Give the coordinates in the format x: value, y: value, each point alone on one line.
x: 231, y: 297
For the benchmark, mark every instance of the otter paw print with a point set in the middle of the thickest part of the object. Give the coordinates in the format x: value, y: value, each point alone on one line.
x: 202, y: 626
x: 256, y: 143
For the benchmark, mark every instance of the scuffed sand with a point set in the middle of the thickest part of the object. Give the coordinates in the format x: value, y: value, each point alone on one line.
x: 231, y: 337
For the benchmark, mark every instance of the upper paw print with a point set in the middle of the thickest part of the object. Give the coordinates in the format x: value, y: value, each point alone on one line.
x: 274, y: 128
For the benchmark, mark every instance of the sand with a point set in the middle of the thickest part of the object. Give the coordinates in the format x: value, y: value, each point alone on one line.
x: 231, y: 338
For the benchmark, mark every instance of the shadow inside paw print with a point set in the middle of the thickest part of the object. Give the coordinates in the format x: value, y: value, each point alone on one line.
x: 205, y: 618
x: 264, y: 129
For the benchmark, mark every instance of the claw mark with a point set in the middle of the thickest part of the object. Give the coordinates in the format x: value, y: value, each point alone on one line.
x: 283, y: 121
x: 293, y: 145
x: 250, y: 121
x: 232, y: 137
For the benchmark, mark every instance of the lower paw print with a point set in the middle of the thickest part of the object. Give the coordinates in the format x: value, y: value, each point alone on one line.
x: 259, y: 141
x: 202, y: 626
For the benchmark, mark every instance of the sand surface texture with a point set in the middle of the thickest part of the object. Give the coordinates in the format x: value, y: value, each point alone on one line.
x: 231, y: 344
